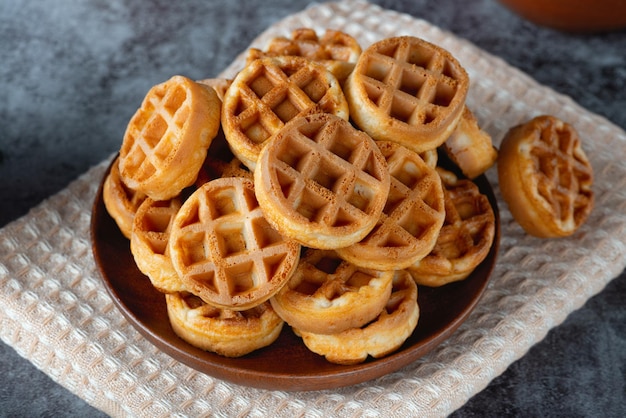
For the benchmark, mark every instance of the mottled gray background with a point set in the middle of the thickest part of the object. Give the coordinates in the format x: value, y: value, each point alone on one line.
x: 73, y: 72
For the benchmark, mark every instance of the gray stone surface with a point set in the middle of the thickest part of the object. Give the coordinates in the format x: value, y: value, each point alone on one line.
x: 72, y: 73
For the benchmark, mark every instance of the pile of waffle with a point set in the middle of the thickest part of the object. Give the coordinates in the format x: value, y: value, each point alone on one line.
x: 307, y: 191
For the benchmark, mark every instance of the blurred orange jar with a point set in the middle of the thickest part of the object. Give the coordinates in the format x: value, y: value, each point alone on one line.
x: 572, y: 15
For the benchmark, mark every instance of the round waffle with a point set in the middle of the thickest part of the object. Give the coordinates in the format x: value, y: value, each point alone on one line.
x: 268, y: 93
x: 222, y: 331
x: 384, y: 335
x: 322, y: 182
x: 407, y: 90
x: 545, y: 177
x: 465, y: 238
x: 411, y: 219
x: 329, y: 295
x: 335, y: 50
x: 470, y: 147
x: 225, y: 251
x: 149, y: 243
x: 167, y: 139
x: 120, y: 200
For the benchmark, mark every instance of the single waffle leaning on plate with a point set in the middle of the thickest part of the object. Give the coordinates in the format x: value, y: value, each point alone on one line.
x: 545, y: 177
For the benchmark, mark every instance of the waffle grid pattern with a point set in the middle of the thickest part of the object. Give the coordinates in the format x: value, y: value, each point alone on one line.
x: 149, y: 242
x: 324, y: 275
x: 157, y: 224
x: 466, y: 235
x: 272, y: 94
x: 410, y: 83
x: 158, y: 123
x: 306, y: 43
x: 417, y: 187
x: 322, y: 268
x: 246, y: 252
x: 564, y: 180
x: 57, y: 313
x: 470, y: 216
x: 320, y: 166
x: 413, y: 213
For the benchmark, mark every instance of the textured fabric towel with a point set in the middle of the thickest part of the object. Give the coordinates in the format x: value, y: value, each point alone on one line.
x: 57, y: 313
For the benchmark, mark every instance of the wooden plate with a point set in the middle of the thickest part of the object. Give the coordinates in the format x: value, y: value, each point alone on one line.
x: 286, y: 364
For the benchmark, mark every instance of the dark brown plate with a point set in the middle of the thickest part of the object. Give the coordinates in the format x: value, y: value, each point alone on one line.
x: 286, y: 364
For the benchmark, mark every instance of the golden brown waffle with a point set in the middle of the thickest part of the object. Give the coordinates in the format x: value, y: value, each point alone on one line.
x: 149, y: 243
x: 225, y: 251
x: 322, y: 182
x: 407, y: 90
x: 335, y: 50
x: 470, y: 147
x: 465, y: 238
x: 167, y: 138
x: 545, y: 177
x: 381, y: 337
x: 120, y: 201
x: 225, y: 332
x: 268, y: 93
x: 413, y: 215
x: 329, y: 295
